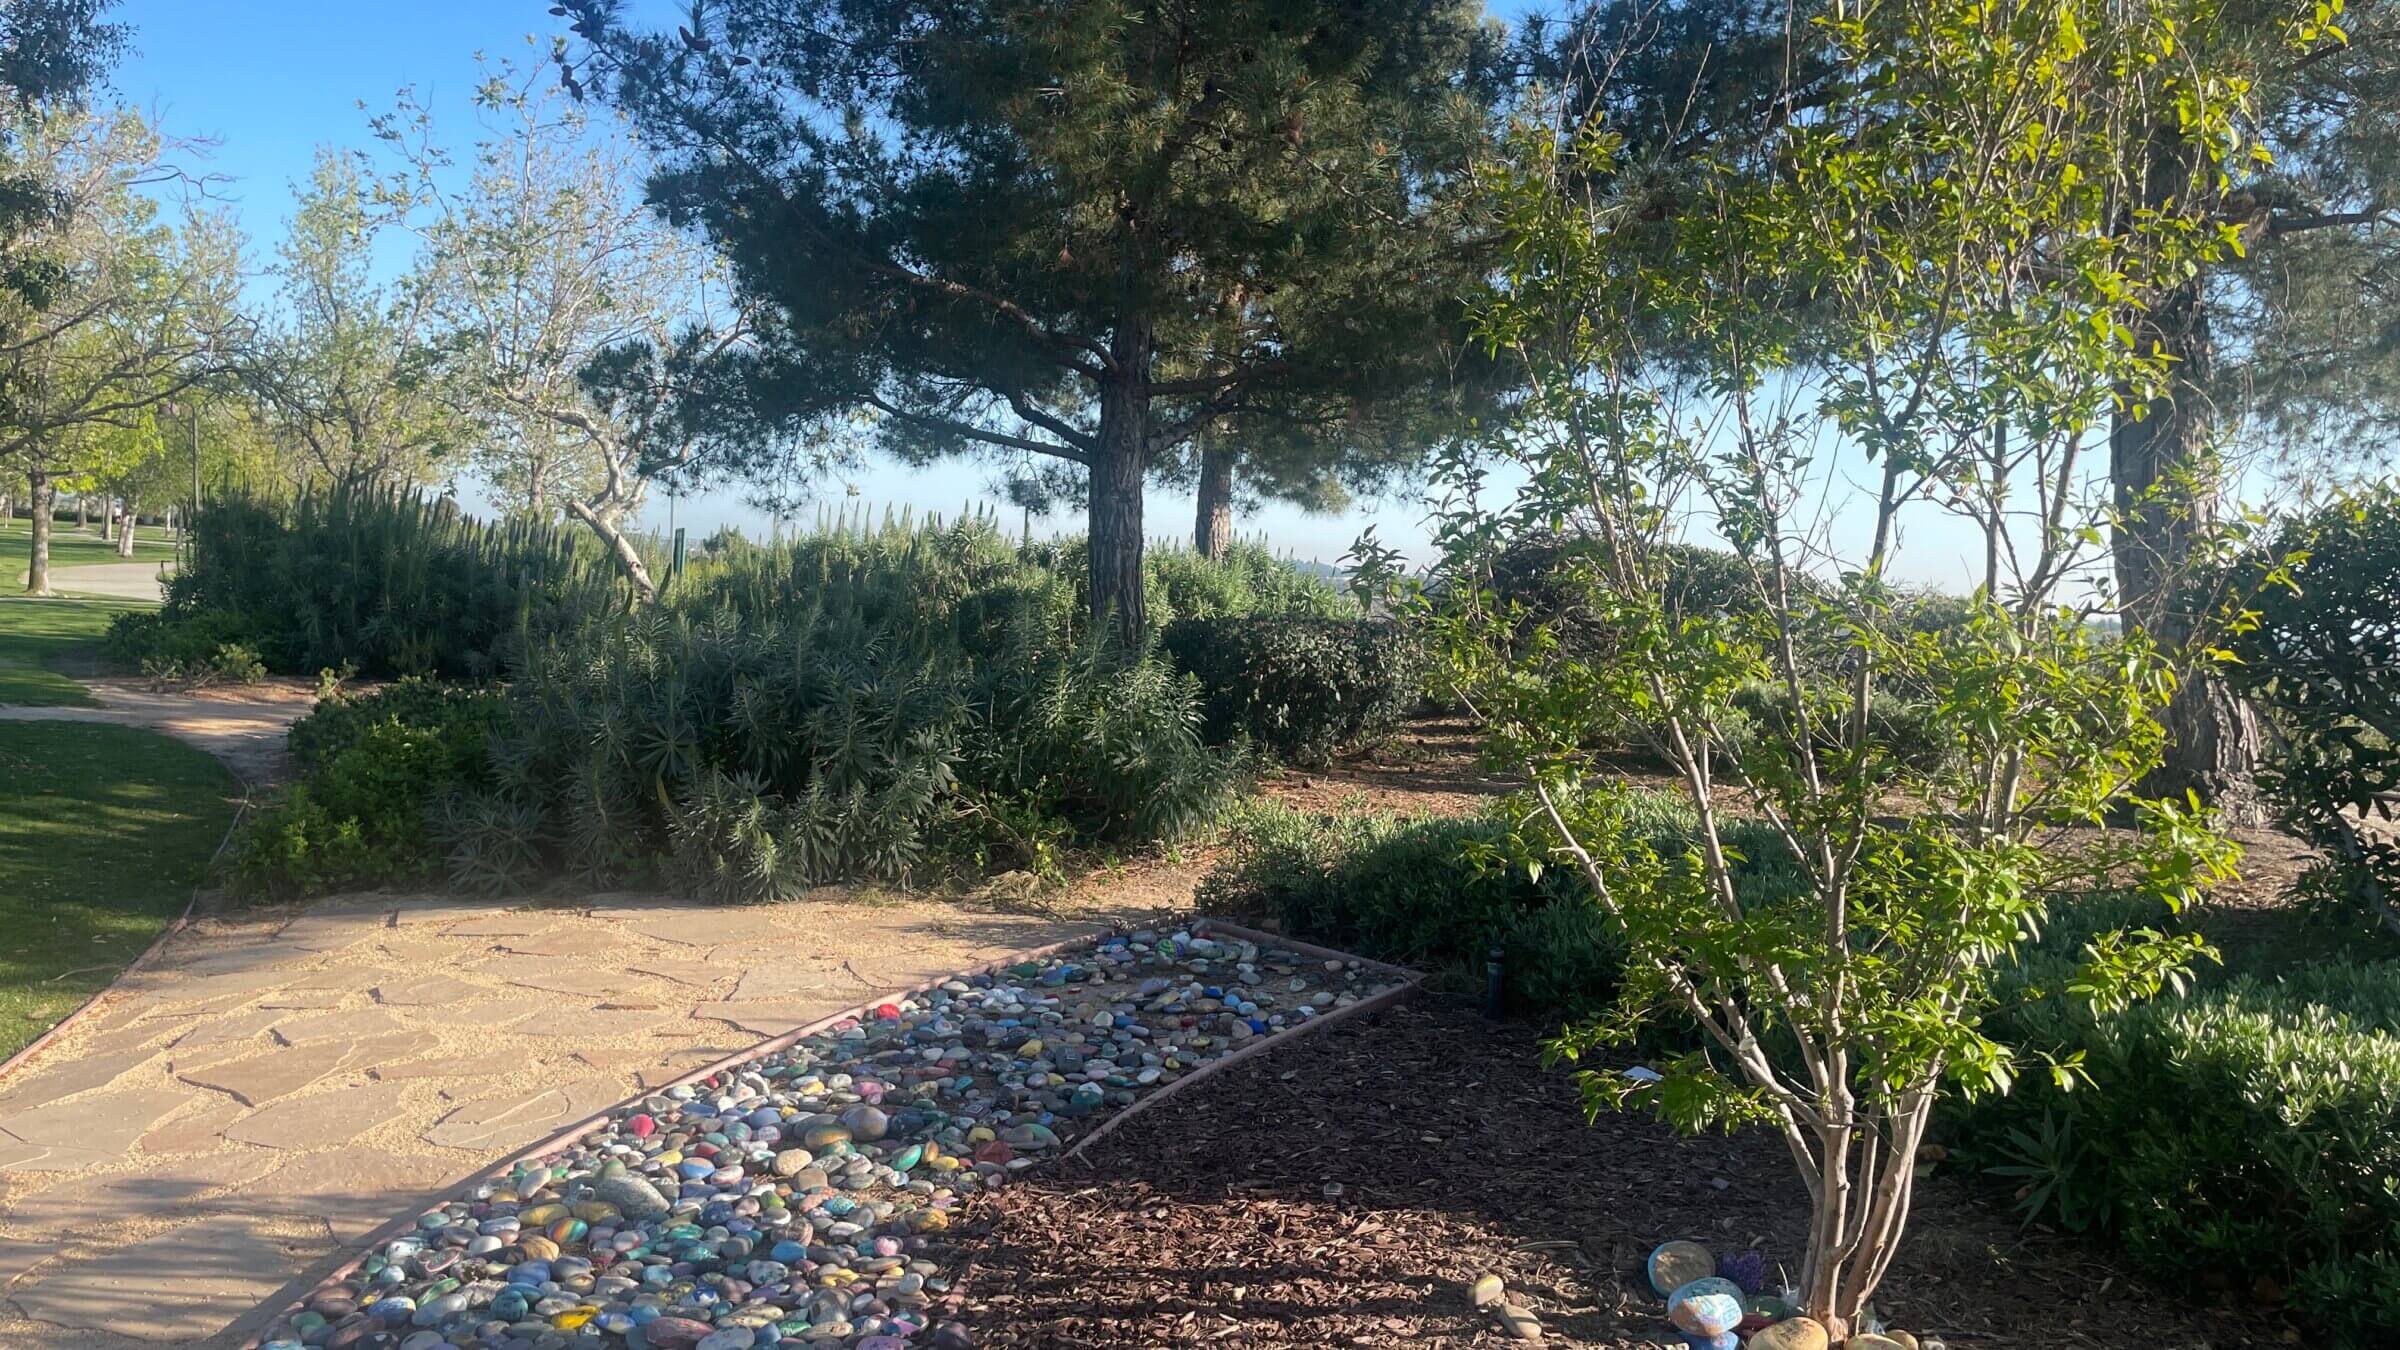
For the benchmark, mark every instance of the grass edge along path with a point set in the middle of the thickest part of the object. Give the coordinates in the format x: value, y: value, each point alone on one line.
x: 36, y: 635
x: 104, y: 831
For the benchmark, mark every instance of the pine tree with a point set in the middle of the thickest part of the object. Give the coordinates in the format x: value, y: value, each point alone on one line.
x: 1082, y: 232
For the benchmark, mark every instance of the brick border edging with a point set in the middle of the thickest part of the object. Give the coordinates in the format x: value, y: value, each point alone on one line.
x: 293, y: 1296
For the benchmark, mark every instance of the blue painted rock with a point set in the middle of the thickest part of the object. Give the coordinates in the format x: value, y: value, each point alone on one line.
x: 1722, y: 1341
x: 1676, y: 1264
x: 1705, y: 1314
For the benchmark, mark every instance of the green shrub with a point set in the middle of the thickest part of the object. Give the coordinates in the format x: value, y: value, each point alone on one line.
x: 2248, y: 1129
x: 1906, y: 728
x: 390, y: 582
x: 198, y: 642
x: 374, y: 771
x: 1303, y: 689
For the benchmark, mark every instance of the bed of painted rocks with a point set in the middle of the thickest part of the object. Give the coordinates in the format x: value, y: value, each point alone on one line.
x: 796, y: 1197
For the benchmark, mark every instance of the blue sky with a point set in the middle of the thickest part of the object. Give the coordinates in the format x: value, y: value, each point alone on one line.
x: 269, y: 81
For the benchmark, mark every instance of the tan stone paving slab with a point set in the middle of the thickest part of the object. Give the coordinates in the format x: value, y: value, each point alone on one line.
x: 583, y: 984
x: 512, y: 923
x: 602, y: 1025
x: 127, y: 1037
x: 67, y: 1206
x: 223, y: 1030
x: 320, y: 1121
x: 105, y: 1125
x: 425, y: 991
x: 797, y: 980
x: 233, y: 988
x: 289, y: 999
x: 19, y: 1255
x: 194, y: 1131
x: 323, y: 933
x: 770, y: 1017
x: 354, y: 1193
x: 561, y: 942
x: 693, y: 926
x: 482, y: 1065
x: 22, y: 1157
x: 652, y: 1068
x: 82, y: 1073
x: 254, y: 1079
x: 498, y: 1014
x: 356, y: 1024
x: 515, y: 1118
x: 180, y: 1287
x: 699, y: 974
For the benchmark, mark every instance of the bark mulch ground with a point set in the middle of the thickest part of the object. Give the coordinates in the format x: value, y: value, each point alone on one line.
x: 1343, y: 1190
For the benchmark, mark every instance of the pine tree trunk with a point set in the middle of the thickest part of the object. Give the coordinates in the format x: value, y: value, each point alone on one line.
x: 45, y: 498
x: 1212, y: 532
x: 1118, y: 464
x: 2166, y: 485
x: 125, y: 534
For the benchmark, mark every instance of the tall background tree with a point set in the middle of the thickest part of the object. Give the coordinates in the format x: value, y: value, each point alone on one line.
x: 539, y: 264
x: 137, y: 308
x: 349, y: 371
x: 1082, y: 233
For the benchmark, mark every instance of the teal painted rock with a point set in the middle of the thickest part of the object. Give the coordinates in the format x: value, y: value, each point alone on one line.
x: 1676, y: 1264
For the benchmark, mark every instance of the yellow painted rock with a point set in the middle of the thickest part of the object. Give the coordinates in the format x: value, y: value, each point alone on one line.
x: 1797, y: 1333
x: 538, y: 1248
x: 596, y: 1211
x: 574, y: 1317
x: 542, y: 1215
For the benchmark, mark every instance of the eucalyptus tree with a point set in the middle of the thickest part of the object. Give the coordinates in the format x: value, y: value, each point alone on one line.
x: 1078, y: 233
x: 1932, y: 269
x: 542, y: 266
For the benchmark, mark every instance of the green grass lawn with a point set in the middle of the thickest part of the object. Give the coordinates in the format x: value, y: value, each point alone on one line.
x: 71, y: 548
x: 36, y: 636
x: 103, y: 833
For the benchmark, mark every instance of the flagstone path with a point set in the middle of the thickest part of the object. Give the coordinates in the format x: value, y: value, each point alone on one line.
x: 227, y: 1122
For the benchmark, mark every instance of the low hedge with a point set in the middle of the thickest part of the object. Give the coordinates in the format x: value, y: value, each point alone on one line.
x: 2243, y: 1132
x: 1301, y: 688
x: 374, y: 772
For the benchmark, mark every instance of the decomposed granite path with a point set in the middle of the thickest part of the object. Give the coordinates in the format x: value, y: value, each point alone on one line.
x: 231, y: 1119
x: 242, y: 725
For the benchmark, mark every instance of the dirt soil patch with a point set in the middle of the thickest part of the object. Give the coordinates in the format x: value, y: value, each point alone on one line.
x: 1344, y: 1190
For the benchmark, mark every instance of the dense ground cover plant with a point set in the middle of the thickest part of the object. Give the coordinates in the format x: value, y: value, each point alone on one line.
x: 2236, y: 1132
x: 374, y: 769
x: 1928, y: 285
x: 391, y: 583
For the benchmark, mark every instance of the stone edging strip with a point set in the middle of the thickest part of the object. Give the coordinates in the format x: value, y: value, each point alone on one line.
x: 1409, y: 983
x: 265, y: 1314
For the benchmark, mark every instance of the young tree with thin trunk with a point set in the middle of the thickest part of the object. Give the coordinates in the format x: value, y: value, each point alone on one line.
x: 349, y: 376
x: 1962, y: 216
x: 543, y: 260
x: 1077, y: 233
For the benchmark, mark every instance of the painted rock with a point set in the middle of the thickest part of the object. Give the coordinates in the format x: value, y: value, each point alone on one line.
x: 676, y: 1333
x: 1520, y: 1324
x: 634, y: 1197
x: 1714, y: 1284
x: 1793, y: 1333
x: 1676, y: 1264
x: 1484, y: 1292
x: 1722, y: 1341
x: 1705, y: 1314
x: 1870, y: 1341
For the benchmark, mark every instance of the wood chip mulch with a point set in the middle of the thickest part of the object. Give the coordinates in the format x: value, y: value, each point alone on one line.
x: 1343, y: 1190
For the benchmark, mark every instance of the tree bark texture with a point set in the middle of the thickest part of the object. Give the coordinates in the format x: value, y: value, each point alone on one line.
x: 1212, y: 531
x: 45, y: 500
x: 126, y: 532
x: 1119, y: 460
x: 2166, y: 490
x: 620, y: 547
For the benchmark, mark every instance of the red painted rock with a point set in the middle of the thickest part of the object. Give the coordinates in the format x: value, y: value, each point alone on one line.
x: 890, y: 1011
x: 642, y: 1126
x: 676, y: 1333
x: 996, y: 1153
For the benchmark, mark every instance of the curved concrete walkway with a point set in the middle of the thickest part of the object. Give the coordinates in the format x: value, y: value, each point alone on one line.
x: 276, y: 1086
x: 117, y: 581
x: 243, y: 725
